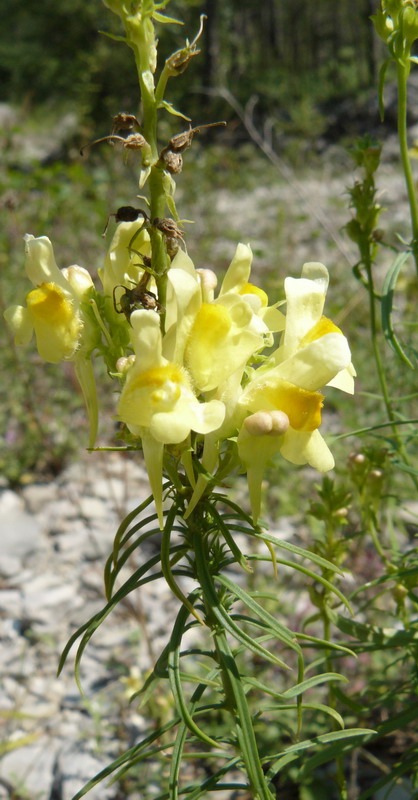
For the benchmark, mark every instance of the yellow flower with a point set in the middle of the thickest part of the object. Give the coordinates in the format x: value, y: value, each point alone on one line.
x: 314, y: 353
x: 53, y: 307
x: 214, y: 338
x: 158, y: 402
x: 122, y: 265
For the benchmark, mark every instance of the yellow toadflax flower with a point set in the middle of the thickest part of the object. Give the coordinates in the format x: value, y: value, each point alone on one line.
x: 215, y: 337
x: 53, y: 307
x: 53, y: 311
x: 122, y: 266
x: 158, y: 402
x: 283, y: 402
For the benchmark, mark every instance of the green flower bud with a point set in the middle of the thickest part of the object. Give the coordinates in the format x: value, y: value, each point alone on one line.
x: 392, y: 8
x: 383, y: 25
x: 409, y: 24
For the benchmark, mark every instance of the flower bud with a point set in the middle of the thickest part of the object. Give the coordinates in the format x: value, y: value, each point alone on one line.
x: 124, y: 363
x: 267, y: 423
x: 383, y: 25
x: 79, y: 279
x: 341, y: 513
x: 409, y: 23
x: 259, y: 424
x: 208, y: 280
x: 280, y: 422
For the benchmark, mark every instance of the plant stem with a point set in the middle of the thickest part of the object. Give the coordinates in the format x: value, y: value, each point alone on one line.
x: 402, y: 72
x: 379, y: 364
x: 235, y: 697
x: 142, y: 40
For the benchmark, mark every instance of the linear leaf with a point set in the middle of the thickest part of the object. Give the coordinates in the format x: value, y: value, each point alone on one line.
x: 386, y: 307
x: 282, y: 633
x: 293, y: 752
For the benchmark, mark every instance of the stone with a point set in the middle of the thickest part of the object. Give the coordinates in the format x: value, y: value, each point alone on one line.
x: 19, y: 531
x: 29, y: 769
x: 9, y: 565
x: 76, y: 768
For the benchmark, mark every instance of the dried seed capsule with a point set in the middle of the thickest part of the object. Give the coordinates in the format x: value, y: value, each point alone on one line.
x: 124, y: 122
x: 173, y: 162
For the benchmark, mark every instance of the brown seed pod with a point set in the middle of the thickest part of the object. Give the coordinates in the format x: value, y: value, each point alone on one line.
x: 168, y: 227
x: 173, y: 162
x: 137, y: 297
x: 125, y: 214
x: 183, y: 140
x: 135, y: 141
x: 172, y: 246
x: 124, y: 122
x: 179, y: 61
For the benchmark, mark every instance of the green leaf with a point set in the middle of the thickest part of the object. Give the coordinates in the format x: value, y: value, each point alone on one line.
x: 386, y: 305
x: 7, y: 747
x: 283, y: 634
x: 114, y: 36
x: 134, y: 582
x: 164, y: 19
x: 331, y: 752
x: 171, y: 110
x: 174, y: 670
x: 331, y: 712
x: 239, y: 556
x: 124, y: 525
x: 313, y: 575
x: 371, y: 637
x: 316, y: 680
x: 166, y: 566
x: 293, y: 752
x: 322, y: 642
x: 297, y: 690
x: 300, y: 551
x: 133, y: 754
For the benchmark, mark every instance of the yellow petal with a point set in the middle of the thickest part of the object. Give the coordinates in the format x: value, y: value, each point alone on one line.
x: 255, y: 452
x: 302, y: 407
x: 20, y: 323
x: 300, y: 447
x: 238, y: 271
x: 316, y: 364
x: 153, y: 456
x: 321, y: 328
x: 57, y: 325
x: 250, y: 288
x: 49, y: 303
x: 40, y: 264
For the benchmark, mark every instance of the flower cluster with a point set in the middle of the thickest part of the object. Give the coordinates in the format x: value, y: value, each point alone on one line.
x: 195, y: 369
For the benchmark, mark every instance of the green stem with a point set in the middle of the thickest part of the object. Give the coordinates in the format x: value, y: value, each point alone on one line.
x: 379, y: 364
x: 235, y: 697
x: 142, y: 41
x: 339, y: 764
x: 402, y: 72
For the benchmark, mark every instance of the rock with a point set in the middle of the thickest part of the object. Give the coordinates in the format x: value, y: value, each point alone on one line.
x: 30, y: 768
x: 9, y: 565
x: 75, y: 768
x: 19, y: 531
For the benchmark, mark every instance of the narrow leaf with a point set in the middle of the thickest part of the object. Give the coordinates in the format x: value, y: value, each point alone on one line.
x: 386, y: 307
x: 164, y: 19
x: 171, y: 110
